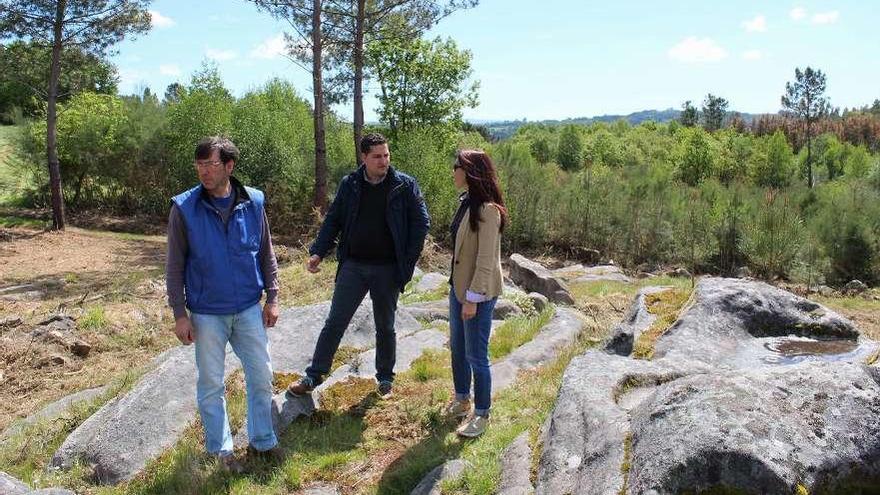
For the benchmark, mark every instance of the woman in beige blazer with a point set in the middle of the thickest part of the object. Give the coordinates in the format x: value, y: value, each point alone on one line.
x: 476, y: 284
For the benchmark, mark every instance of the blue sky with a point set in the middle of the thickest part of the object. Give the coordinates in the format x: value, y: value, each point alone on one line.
x: 563, y: 58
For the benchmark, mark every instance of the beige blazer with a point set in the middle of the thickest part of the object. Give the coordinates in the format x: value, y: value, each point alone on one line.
x: 477, y: 255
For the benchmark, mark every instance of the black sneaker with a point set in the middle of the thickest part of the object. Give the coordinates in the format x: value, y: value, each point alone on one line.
x: 302, y: 388
x: 384, y: 389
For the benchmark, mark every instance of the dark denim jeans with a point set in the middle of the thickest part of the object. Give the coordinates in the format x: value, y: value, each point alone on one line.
x: 469, y: 345
x: 353, y: 282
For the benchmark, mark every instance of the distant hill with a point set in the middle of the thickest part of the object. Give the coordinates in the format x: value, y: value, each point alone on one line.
x: 505, y: 129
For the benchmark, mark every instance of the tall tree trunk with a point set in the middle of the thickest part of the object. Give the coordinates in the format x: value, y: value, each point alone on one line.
x: 319, y: 200
x: 51, y: 122
x: 359, y: 76
x: 809, y: 155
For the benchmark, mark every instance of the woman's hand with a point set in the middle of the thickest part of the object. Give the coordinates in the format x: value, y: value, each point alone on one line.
x: 468, y: 310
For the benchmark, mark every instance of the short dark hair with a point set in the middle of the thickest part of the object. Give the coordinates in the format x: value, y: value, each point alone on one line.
x: 370, y: 140
x: 228, y: 150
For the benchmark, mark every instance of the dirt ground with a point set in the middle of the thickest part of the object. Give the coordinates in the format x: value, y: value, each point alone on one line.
x: 113, y: 284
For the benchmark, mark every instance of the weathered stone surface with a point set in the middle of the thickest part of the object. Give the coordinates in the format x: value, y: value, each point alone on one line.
x: 763, y: 430
x: 584, y: 448
x: 505, y: 309
x: 635, y: 321
x: 742, y: 272
x: 680, y: 272
x: 535, y: 278
x: 129, y: 431
x: 61, y: 332
x: 855, y: 287
x: 57, y: 409
x: 753, y: 389
x: 611, y: 273
x: 561, y: 331
x: 450, y: 470
x: 429, y: 310
x: 736, y: 322
x: 539, y: 301
x: 292, y: 340
x: 516, y: 466
x: 10, y: 322
x: 320, y: 490
x: 431, y: 282
x: 12, y: 486
x: 439, y: 310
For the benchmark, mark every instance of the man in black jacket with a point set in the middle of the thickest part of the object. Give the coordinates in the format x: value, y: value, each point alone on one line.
x: 380, y: 220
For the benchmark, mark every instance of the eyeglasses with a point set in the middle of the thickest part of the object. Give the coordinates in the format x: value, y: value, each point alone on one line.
x: 456, y: 166
x: 207, y: 163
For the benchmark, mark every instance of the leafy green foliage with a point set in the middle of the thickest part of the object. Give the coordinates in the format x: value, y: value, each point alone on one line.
x: 570, y: 148
x: 422, y: 83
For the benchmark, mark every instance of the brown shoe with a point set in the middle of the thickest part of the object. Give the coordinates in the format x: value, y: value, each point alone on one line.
x: 275, y: 455
x: 302, y: 388
x: 230, y: 464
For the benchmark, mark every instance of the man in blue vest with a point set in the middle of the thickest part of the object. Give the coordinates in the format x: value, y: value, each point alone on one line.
x: 380, y: 220
x: 220, y: 260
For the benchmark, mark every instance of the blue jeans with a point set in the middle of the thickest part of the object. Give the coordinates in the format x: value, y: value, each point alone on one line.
x: 245, y: 332
x: 469, y: 345
x: 353, y: 282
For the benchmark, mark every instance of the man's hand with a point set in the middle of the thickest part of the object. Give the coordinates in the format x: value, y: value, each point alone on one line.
x: 312, y: 264
x: 184, y: 330
x: 468, y: 310
x: 270, y: 314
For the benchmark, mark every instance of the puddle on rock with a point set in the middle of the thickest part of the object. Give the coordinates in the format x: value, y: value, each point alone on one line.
x: 791, y: 350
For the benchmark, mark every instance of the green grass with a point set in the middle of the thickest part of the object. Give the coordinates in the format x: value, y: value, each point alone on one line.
x: 523, y: 407
x: 603, y: 288
x: 409, y: 295
x: 299, y: 287
x: 666, y: 306
x: 14, y: 179
x: 515, y: 332
x: 9, y: 221
x: 93, y: 319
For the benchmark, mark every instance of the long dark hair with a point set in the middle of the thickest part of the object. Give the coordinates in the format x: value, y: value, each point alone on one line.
x: 482, y: 184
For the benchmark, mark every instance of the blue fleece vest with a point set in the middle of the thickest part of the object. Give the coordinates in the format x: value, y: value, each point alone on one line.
x: 223, y: 274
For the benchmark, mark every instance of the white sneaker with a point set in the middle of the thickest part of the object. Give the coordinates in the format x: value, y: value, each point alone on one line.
x: 457, y: 408
x: 474, y: 426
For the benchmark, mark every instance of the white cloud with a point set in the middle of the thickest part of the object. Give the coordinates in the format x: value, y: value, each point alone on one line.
x: 169, y: 70
x: 753, y: 55
x: 826, y: 17
x: 273, y: 47
x: 160, y: 21
x: 756, y: 25
x: 694, y: 50
x: 797, y: 13
x: 220, y: 55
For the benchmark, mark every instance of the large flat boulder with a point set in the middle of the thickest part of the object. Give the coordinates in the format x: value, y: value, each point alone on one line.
x: 533, y: 277
x: 561, y: 331
x: 736, y: 323
x: 439, y: 310
x: 752, y: 390
x: 516, y: 467
x: 129, y: 431
x: 431, y: 281
x: 55, y: 410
